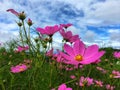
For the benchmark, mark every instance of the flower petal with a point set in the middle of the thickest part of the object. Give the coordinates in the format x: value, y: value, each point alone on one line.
x: 93, y: 58
x: 90, y: 51
x: 79, y: 47
x: 69, y: 50
x: 62, y: 87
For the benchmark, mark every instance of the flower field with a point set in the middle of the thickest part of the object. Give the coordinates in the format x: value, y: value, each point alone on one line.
x: 32, y: 63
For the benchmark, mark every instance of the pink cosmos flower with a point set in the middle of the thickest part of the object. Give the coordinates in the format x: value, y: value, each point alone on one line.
x: 116, y: 54
x: 68, y: 36
x: 21, y: 48
x: 72, y: 76
x: 79, y: 54
x: 66, y: 25
x: 85, y: 81
x: 18, y: 68
x: 115, y: 74
x: 48, y: 30
x: 98, y: 83
x: 64, y: 87
x: 50, y: 53
x: 109, y: 87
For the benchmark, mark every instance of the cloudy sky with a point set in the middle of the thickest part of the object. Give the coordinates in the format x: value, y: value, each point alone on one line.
x: 96, y: 21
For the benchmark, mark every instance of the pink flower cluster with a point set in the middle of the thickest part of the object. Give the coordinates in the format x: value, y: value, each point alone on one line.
x: 21, y: 48
x: 18, y: 68
x: 109, y: 87
x: 116, y: 54
x: 115, y: 74
x: 64, y: 87
x: 85, y: 81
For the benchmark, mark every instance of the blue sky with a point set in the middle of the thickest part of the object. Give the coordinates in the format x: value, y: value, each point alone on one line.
x: 96, y: 21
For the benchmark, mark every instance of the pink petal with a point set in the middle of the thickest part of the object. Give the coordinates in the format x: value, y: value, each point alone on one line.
x: 79, y: 47
x: 66, y: 56
x: 68, y: 89
x: 92, y: 59
x: 69, y: 50
x: 68, y: 34
x: 90, y: 51
x: 13, y: 11
x: 41, y: 30
x: 62, y: 87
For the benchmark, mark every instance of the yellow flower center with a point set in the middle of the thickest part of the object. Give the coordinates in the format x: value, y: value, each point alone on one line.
x: 78, y: 58
x: 21, y: 69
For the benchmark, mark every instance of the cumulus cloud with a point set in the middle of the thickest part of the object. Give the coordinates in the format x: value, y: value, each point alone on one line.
x: 81, y: 13
x: 114, y: 35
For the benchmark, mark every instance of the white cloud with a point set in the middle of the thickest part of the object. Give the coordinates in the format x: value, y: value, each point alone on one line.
x: 108, y: 12
x: 47, y: 12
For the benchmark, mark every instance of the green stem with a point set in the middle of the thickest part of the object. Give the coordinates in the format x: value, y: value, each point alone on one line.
x: 51, y: 76
x: 25, y: 31
x: 90, y: 69
x: 20, y: 32
x: 3, y: 87
x: 29, y: 33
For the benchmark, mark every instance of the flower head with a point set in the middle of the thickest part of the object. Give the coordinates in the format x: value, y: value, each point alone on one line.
x: 66, y: 25
x: 116, y: 54
x: 115, y: 74
x: 79, y: 54
x: 68, y: 36
x: 21, y: 48
x: 109, y: 87
x: 98, y: 83
x: 64, y: 87
x: 48, y: 30
x: 18, y: 68
x: 85, y: 81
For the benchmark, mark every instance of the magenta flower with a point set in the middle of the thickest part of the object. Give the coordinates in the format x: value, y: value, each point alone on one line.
x: 68, y: 36
x: 18, y: 68
x: 48, y: 30
x: 72, y: 76
x: 64, y: 87
x: 79, y: 54
x: 116, y: 54
x: 98, y: 83
x: 21, y: 48
x: 85, y: 81
x: 50, y: 53
x: 109, y: 87
x: 115, y: 74
x: 66, y: 25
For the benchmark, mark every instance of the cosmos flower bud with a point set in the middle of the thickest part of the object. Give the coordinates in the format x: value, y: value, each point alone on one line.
x: 29, y: 22
x: 19, y: 24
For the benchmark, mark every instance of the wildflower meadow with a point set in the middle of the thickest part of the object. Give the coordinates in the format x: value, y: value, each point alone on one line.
x: 33, y: 63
